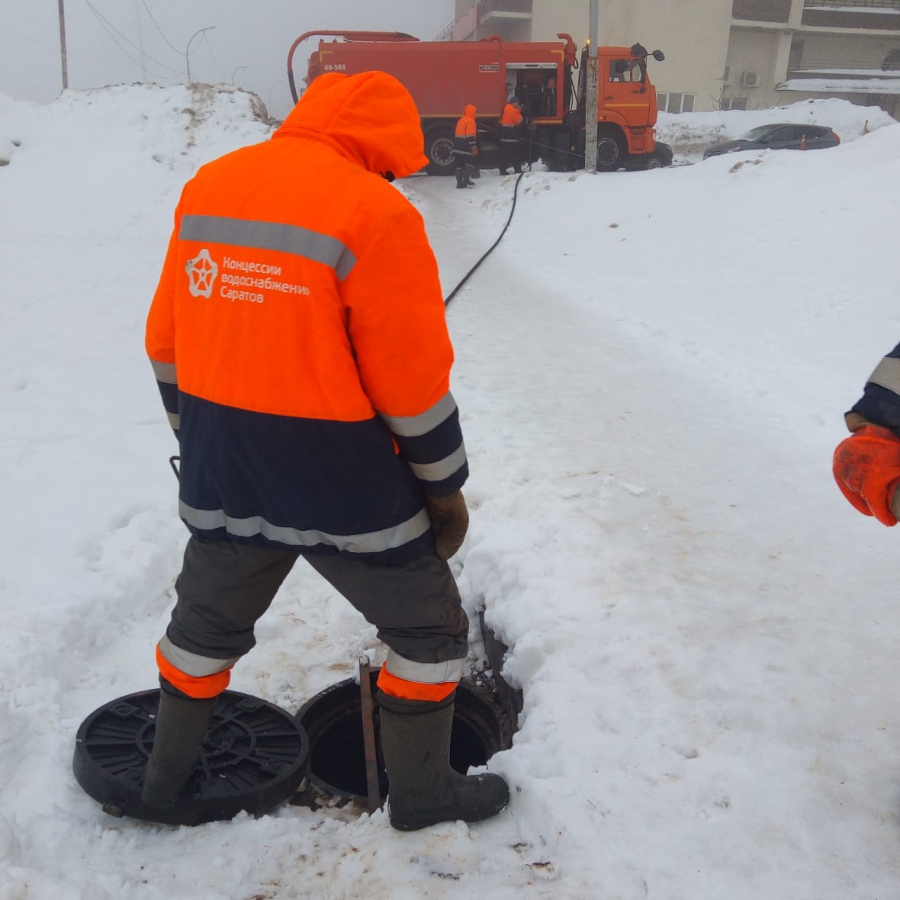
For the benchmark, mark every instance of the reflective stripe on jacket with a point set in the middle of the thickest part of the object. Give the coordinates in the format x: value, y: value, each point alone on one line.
x: 298, y: 335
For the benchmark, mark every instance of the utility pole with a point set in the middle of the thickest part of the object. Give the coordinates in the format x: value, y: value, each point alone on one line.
x: 593, y: 94
x: 62, y: 45
x: 140, y: 40
x: 187, y: 52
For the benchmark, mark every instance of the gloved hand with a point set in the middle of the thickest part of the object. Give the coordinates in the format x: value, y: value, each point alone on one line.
x: 867, y: 470
x: 474, y: 151
x: 449, y: 522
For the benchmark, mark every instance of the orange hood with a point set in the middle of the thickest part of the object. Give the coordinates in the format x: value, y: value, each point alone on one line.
x: 370, y: 118
x: 469, y: 111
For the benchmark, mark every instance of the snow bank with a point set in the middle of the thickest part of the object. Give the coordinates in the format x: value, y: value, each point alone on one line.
x: 651, y: 371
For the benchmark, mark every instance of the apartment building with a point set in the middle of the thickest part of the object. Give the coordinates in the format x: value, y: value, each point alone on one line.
x: 724, y: 54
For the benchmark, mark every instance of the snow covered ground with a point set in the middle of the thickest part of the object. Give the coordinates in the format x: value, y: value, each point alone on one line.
x: 652, y: 369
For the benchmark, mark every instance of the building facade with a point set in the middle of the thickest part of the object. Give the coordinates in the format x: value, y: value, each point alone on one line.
x: 724, y: 54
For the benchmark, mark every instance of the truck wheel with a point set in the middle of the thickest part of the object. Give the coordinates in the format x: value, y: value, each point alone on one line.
x: 611, y: 150
x: 439, y: 150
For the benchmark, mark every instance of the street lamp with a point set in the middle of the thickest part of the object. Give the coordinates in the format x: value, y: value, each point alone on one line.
x: 238, y: 69
x: 187, y: 53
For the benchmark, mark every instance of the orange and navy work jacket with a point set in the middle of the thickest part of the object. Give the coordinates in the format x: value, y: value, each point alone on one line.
x: 299, y: 340
x: 466, y: 133
x: 510, y: 120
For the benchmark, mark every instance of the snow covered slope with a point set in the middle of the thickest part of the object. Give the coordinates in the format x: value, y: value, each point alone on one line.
x: 651, y: 368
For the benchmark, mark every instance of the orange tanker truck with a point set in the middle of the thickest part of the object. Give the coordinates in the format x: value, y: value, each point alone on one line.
x: 443, y: 76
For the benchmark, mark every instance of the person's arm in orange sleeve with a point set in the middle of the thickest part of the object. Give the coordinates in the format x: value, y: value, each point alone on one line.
x: 159, y: 338
x: 397, y: 325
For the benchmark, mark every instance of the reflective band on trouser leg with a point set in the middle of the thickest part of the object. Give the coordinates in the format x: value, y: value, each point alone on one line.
x: 213, y: 674
x: 401, y: 677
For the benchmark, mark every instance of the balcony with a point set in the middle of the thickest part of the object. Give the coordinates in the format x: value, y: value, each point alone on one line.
x: 761, y: 10
x: 511, y: 8
x: 872, y: 15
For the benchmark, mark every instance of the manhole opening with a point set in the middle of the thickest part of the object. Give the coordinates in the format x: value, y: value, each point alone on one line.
x: 333, y: 722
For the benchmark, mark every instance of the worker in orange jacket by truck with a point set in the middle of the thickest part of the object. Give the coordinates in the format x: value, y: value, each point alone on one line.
x: 299, y: 341
x: 510, y: 120
x: 465, y: 147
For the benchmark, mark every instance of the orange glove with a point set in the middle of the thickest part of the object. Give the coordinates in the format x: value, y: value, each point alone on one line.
x: 867, y: 470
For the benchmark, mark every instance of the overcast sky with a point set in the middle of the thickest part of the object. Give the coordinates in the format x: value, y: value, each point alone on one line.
x: 115, y: 41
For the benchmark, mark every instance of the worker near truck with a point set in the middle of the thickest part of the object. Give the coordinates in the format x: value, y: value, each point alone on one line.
x: 867, y: 464
x: 465, y: 148
x: 300, y: 345
x: 510, y: 121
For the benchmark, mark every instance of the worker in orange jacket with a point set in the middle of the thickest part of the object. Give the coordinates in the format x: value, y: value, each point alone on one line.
x: 510, y: 120
x: 300, y: 345
x: 465, y: 148
x: 867, y: 464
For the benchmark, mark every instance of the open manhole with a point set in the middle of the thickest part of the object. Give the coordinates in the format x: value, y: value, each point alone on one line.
x: 337, y: 760
x: 254, y: 756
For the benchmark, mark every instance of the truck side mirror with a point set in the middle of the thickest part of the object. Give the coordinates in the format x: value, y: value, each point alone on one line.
x: 658, y: 55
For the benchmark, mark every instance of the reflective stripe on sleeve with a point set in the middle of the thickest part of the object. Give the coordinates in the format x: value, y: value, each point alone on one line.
x: 415, y: 426
x: 443, y: 468
x: 164, y: 372
x: 270, y: 236
x: 174, y: 420
x: 887, y: 374
x: 372, y: 542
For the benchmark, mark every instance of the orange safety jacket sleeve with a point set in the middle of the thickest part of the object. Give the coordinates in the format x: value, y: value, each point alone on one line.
x: 160, y: 332
x: 511, y: 116
x: 397, y: 325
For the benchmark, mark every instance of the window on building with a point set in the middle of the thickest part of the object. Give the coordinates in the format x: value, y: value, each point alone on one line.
x: 734, y: 103
x: 675, y: 103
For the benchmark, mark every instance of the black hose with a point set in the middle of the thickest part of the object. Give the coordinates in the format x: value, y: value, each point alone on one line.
x: 490, y: 249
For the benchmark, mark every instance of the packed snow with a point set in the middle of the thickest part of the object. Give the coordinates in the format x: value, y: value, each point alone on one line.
x: 652, y: 369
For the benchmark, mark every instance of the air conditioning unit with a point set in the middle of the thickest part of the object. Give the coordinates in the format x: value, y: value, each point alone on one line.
x: 750, y: 80
x: 728, y: 76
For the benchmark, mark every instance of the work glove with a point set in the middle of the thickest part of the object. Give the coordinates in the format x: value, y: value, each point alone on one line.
x: 867, y: 470
x: 474, y: 151
x: 449, y: 522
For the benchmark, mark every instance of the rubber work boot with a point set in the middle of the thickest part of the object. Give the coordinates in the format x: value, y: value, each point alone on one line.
x: 460, y: 178
x: 181, y: 725
x: 470, y: 174
x: 423, y: 788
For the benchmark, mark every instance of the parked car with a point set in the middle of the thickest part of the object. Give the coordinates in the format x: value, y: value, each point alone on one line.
x: 891, y: 61
x: 778, y: 137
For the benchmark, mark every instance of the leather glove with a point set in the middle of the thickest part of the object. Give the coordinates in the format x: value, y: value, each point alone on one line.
x: 449, y: 522
x: 867, y: 470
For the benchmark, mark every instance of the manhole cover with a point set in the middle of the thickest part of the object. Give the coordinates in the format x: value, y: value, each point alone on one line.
x: 253, y: 757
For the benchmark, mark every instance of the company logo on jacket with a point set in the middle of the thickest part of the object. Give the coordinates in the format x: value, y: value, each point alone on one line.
x: 202, y: 271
